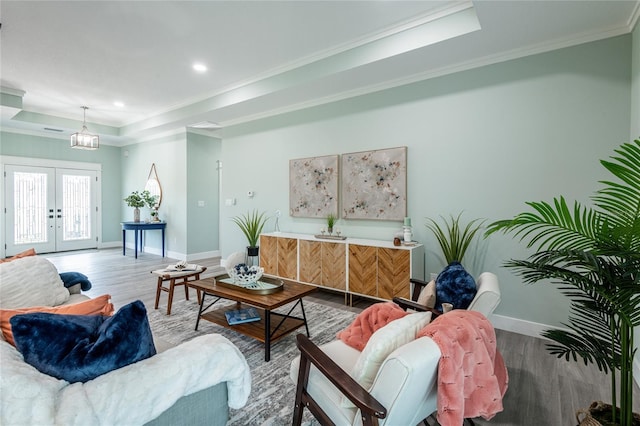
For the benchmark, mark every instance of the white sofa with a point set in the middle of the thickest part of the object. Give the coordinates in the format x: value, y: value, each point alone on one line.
x: 192, y: 383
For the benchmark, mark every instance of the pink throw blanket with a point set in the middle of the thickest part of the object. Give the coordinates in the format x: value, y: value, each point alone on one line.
x: 472, y: 376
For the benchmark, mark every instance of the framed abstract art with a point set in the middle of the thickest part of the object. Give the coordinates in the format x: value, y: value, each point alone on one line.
x: 374, y: 184
x: 313, y: 186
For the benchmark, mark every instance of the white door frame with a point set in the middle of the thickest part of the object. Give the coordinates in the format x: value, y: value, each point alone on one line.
x: 45, y: 162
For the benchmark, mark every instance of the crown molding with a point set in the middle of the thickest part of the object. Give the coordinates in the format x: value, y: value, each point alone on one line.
x: 463, y: 66
x: 633, y: 19
x: 413, y: 22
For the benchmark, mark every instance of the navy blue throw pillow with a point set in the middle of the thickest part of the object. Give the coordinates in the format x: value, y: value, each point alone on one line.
x: 456, y: 286
x: 79, y: 348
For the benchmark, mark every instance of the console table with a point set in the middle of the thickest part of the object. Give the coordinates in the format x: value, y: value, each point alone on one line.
x: 138, y: 228
x: 371, y: 268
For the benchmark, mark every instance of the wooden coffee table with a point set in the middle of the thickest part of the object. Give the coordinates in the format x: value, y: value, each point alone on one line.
x: 265, y: 330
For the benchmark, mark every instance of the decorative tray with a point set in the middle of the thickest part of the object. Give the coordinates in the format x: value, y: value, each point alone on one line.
x: 266, y: 285
x: 331, y: 237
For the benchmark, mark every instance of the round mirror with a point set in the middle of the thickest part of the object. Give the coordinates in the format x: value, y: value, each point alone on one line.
x: 153, y: 185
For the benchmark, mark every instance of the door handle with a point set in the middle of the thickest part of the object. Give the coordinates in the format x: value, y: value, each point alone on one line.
x: 59, y: 216
x: 50, y: 216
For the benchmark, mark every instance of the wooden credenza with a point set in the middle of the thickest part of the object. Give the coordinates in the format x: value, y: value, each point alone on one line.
x: 372, y: 268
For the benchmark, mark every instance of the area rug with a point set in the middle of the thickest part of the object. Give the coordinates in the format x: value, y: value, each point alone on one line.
x: 272, y: 391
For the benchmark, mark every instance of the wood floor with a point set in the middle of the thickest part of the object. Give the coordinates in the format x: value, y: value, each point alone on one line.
x: 543, y: 391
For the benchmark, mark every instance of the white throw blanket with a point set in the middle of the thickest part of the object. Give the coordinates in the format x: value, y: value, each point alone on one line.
x: 132, y: 395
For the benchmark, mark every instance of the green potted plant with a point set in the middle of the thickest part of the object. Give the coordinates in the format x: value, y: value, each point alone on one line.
x: 593, y: 255
x: 135, y: 200
x: 454, y: 238
x: 151, y: 201
x: 331, y: 220
x: 251, y: 225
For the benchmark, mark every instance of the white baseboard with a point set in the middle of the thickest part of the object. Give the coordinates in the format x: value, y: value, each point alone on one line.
x: 203, y: 255
x: 172, y: 254
x: 533, y: 329
x: 528, y: 328
x: 110, y: 244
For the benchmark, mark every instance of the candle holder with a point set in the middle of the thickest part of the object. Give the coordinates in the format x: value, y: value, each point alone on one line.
x: 408, y: 234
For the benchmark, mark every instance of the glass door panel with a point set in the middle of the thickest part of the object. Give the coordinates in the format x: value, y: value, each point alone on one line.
x: 30, y: 219
x: 76, y: 205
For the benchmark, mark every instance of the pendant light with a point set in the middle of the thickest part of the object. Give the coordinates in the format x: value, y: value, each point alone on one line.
x: 83, y: 139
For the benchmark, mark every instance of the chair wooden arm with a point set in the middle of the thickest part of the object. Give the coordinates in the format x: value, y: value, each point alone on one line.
x: 410, y: 304
x: 418, y: 285
x: 371, y: 409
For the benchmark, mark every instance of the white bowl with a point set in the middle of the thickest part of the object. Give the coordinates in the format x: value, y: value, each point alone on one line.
x: 245, y: 275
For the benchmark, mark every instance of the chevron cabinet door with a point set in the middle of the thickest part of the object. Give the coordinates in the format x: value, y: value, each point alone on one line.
x: 310, y: 261
x: 288, y: 258
x: 334, y: 266
x: 363, y: 270
x: 394, y: 268
x: 269, y: 254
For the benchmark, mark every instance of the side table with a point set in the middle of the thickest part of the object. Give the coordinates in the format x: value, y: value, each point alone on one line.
x: 138, y: 228
x: 177, y: 278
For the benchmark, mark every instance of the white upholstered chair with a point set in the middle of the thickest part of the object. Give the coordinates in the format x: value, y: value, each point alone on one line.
x: 404, y: 391
x: 485, y: 301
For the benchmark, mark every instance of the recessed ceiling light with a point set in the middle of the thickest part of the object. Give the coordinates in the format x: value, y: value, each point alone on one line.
x: 199, y: 67
x: 118, y: 104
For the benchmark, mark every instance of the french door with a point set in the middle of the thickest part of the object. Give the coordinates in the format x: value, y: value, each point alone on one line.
x: 50, y: 209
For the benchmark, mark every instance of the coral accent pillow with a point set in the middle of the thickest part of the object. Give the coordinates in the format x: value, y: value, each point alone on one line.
x: 26, y: 253
x: 456, y: 286
x: 97, y: 306
x: 374, y: 317
x: 427, y: 297
x: 79, y: 348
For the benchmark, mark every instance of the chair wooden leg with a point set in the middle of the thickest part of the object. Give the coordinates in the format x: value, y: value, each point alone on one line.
x: 186, y: 289
x: 303, y: 378
x: 172, y: 284
x: 158, y: 290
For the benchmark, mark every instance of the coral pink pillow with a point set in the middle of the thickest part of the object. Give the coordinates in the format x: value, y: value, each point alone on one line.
x: 26, y: 253
x: 368, y: 321
x: 97, y: 306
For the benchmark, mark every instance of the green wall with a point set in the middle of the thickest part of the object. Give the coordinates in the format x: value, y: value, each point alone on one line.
x: 186, y: 167
x: 482, y: 141
x: 203, y: 186
x: 170, y: 158
x: 22, y: 145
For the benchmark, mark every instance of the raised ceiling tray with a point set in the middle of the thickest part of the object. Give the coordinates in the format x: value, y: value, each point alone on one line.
x: 266, y: 285
x: 331, y: 237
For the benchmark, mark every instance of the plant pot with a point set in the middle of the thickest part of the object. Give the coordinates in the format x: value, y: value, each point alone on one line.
x: 253, y: 251
x: 136, y: 215
x: 599, y: 414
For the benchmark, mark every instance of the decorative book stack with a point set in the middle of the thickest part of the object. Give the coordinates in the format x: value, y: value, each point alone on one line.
x: 240, y: 316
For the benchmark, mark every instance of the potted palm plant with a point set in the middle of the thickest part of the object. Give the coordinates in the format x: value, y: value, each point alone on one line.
x: 593, y: 255
x: 251, y: 225
x: 454, y: 238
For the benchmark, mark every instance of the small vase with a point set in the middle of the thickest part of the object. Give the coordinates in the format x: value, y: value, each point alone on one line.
x: 136, y: 215
x: 330, y: 230
x: 252, y: 256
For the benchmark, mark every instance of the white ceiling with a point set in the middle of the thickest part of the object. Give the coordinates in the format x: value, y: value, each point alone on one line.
x: 264, y: 57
